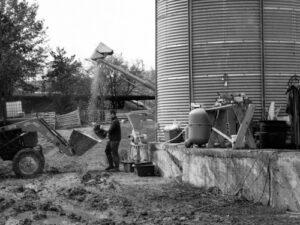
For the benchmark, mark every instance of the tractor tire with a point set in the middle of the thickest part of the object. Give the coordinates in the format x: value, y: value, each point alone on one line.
x: 39, y: 149
x: 28, y: 163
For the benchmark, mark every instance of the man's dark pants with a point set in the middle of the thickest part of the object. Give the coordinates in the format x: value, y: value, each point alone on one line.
x: 112, y: 154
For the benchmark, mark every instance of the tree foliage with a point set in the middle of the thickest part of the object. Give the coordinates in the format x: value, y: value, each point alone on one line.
x: 67, y: 77
x: 22, y: 36
x: 117, y: 84
x: 114, y: 82
x: 65, y: 74
x: 150, y: 76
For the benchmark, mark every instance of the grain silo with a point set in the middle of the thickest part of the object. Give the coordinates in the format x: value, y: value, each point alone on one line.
x: 229, y: 46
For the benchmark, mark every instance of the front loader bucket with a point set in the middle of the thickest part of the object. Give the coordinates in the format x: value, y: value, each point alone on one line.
x: 81, y: 143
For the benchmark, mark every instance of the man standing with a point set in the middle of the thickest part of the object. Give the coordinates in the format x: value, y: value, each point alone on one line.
x: 112, y: 146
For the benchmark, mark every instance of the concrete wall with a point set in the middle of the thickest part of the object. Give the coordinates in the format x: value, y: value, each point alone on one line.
x: 271, y: 177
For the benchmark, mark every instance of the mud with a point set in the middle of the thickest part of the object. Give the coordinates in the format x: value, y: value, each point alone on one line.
x: 99, y: 178
x: 39, y: 215
x: 150, y: 200
x: 24, y: 206
x: 5, y: 203
x: 78, y: 191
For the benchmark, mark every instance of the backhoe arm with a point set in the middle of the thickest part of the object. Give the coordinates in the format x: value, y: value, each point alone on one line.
x: 41, y: 126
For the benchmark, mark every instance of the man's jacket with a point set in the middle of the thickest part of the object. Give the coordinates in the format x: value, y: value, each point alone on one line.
x: 114, y: 132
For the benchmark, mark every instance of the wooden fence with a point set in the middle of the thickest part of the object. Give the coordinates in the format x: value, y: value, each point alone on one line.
x: 49, y: 117
x: 65, y: 121
x: 76, y: 118
x: 99, y: 116
x: 96, y: 116
x: 69, y: 120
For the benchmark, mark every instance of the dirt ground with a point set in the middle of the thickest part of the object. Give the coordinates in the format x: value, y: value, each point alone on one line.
x: 76, y: 190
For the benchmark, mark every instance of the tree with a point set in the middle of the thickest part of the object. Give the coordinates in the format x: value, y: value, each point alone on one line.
x: 67, y: 77
x: 116, y: 84
x: 22, y: 36
x: 138, y: 69
x: 63, y: 72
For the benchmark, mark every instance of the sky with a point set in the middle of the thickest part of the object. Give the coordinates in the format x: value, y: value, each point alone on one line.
x: 126, y: 26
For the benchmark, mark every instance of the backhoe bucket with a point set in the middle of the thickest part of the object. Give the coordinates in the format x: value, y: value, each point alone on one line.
x: 81, y: 143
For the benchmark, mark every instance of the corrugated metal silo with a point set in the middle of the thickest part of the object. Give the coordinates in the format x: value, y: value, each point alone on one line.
x: 281, y: 47
x: 226, y: 49
x: 227, y: 46
x: 172, y: 61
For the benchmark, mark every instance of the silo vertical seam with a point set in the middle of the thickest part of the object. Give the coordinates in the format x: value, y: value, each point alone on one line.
x: 295, y: 43
x: 191, y: 89
x: 295, y: 38
x: 262, y: 59
x: 156, y: 109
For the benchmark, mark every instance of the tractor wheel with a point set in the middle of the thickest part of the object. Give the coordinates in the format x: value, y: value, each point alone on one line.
x: 40, y: 150
x: 28, y: 163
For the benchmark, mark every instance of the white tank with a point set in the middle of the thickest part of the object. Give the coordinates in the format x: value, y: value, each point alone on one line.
x: 199, y: 128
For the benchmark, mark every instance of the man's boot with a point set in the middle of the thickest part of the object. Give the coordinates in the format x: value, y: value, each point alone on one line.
x: 109, y: 168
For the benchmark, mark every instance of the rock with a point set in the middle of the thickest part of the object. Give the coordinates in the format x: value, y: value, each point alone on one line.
x: 126, y: 203
x: 74, y: 217
x: 25, y: 222
x: 124, y: 223
x: 157, y: 221
x: 12, y: 221
x: 166, y: 219
x: 214, y: 190
x: 76, y: 193
x: 110, y: 214
x: 62, y: 213
x: 144, y: 213
x: 111, y: 186
x: 86, y: 177
x: 98, y: 203
x: 105, y: 175
x: 126, y: 213
x: 192, y: 213
x: 50, y: 206
x: 91, y: 182
x: 20, y: 188
x: 5, y: 203
x: 53, y: 170
x: 24, y: 206
x: 30, y: 194
x: 31, y: 186
x: 105, y: 221
x: 183, y: 218
x: 39, y: 215
x: 98, y: 176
